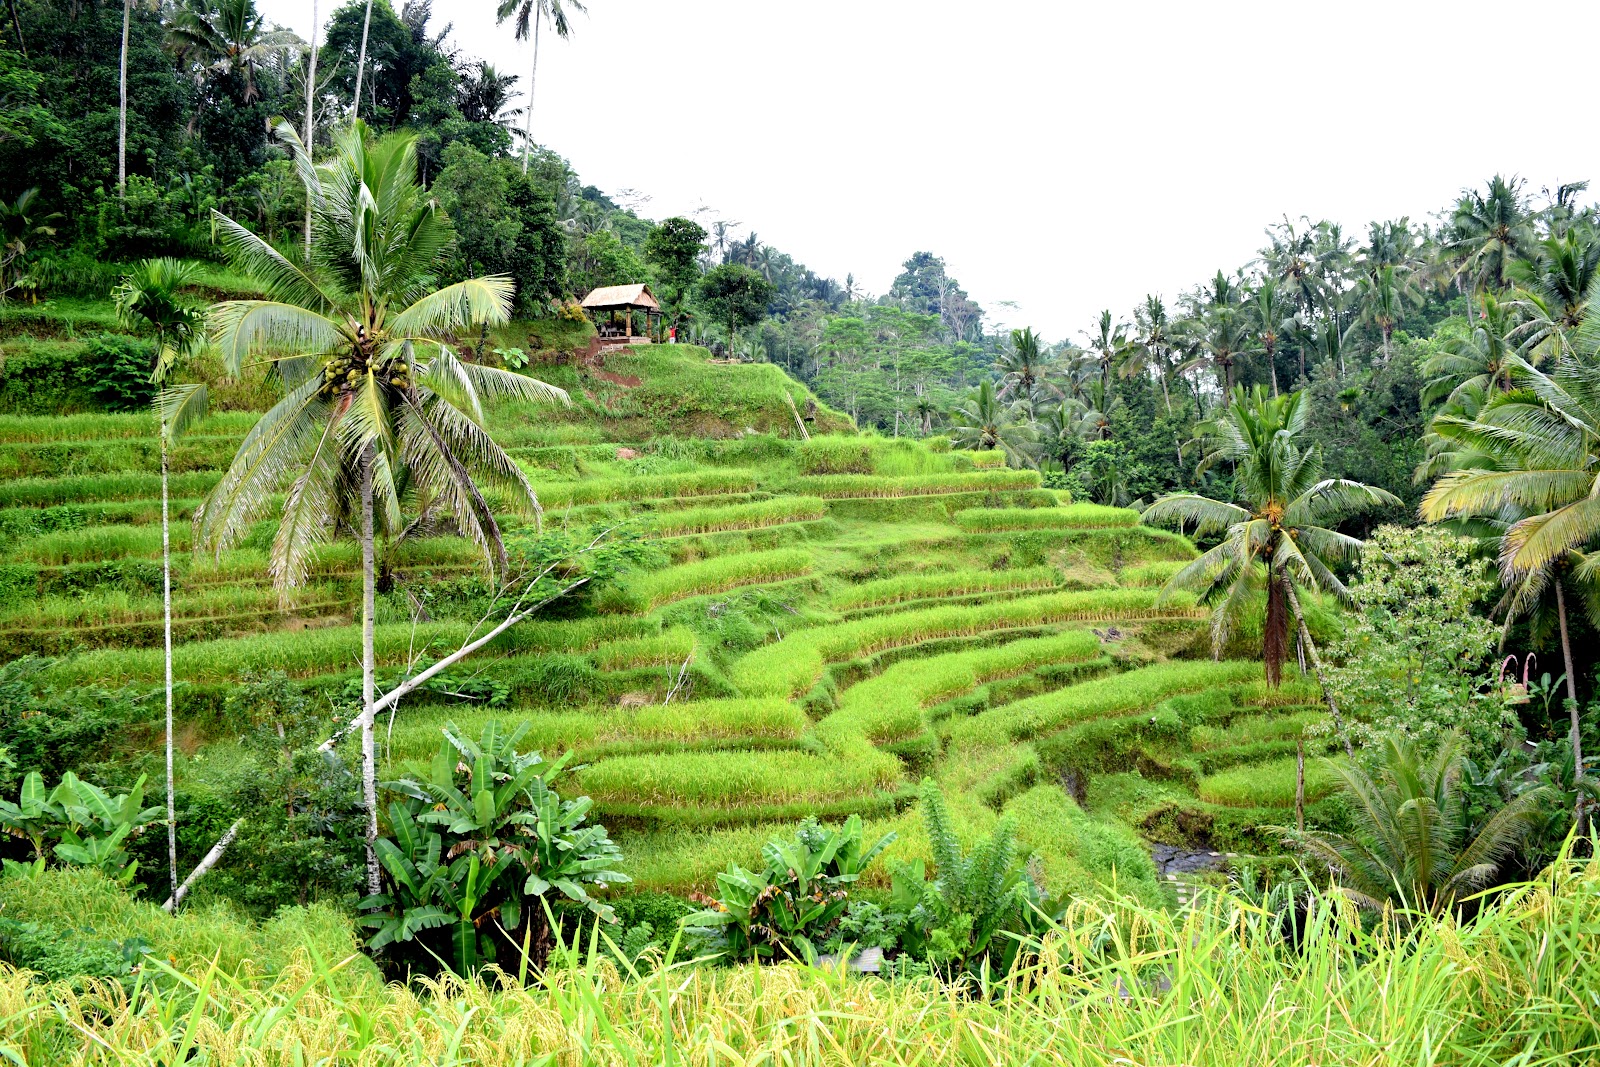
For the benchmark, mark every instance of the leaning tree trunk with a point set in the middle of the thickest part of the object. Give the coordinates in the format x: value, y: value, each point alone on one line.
x: 527, y: 124
x: 122, y: 109
x: 1572, y: 697
x: 369, y: 763
x: 1316, y: 668
x: 166, y: 626
x: 361, y: 64
x: 16, y: 28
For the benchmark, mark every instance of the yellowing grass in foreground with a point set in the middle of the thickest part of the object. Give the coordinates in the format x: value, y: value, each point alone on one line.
x: 1117, y: 983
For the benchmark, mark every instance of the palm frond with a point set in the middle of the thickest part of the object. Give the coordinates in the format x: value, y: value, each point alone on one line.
x: 469, y: 303
x: 1204, y: 514
x: 181, y: 407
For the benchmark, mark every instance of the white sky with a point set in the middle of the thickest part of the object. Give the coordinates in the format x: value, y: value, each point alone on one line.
x: 1065, y: 156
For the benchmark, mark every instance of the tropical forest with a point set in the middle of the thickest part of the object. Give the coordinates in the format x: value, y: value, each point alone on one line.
x: 450, y: 615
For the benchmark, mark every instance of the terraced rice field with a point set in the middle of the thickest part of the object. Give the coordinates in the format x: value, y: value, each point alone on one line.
x: 810, y: 628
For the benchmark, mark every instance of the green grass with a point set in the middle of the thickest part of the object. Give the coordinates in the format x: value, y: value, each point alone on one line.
x: 1250, y: 729
x: 99, y: 543
x: 1069, y: 517
x: 1152, y: 575
x: 941, y: 584
x: 84, y: 428
x: 789, y: 667
x: 852, y: 486
x: 1267, y: 785
x: 1079, y: 855
x: 718, y: 574
x: 755, y: 515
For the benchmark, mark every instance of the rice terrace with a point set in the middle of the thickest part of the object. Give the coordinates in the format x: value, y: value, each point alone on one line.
x: 452, y: 614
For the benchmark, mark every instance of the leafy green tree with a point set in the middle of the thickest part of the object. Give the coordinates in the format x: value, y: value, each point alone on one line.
x: 21, y: 224
x: 673, y: 248
x: 376, y: 405
x: 1280, y: 532
x: 226, y: 37
x: 734, y: 296
x: 401, y: 47
x: 1416, y: 656
x: 1413, y: 846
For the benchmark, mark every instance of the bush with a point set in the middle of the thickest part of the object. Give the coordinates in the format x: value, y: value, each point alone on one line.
x: 116, y: 370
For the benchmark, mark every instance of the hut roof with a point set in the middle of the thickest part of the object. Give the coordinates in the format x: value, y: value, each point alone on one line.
x: 621, y: 296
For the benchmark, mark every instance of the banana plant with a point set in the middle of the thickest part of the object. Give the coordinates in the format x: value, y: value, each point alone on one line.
x: 34, y: 816
x: 478, y: 845
x: 97, y: 824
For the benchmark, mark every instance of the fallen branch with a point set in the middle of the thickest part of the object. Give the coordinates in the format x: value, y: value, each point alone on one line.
x: 203, y: 867
x: 421, y: 678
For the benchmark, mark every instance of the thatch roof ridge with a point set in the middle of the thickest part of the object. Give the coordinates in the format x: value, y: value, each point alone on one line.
x: 611, y: 296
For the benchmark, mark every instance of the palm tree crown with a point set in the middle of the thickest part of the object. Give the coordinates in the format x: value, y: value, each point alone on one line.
x: 369, y: 370
x: 983, y: 420
x: 1280, y: 531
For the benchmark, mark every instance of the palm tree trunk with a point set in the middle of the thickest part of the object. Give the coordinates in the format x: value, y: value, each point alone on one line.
x: 1275, y: 630
x: 369, y: 763
x: 361, y: 63
x: 1572, y: 694
x: 1272, y: 368
x: 311, y: 115
x: 1316, y: 668
x: 166, y: 625
x: 122, y: 109
x: 527, y: 127
x: 16, y: 28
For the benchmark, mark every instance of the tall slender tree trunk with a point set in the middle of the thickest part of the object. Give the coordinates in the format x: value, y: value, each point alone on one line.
x: 1272, y: 368
x: 361, y: 63
x: 1275, y: 631
x: 122, y: 109
x: 1316, y: 668
x: 311, y: 116
x: 166, y: 627
x: 16, y: 28
x: 369, y: 762
x: 527, y: 125
x: 1572, y: 696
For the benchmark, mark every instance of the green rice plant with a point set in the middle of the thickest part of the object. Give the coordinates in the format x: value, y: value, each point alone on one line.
x: 669, y: 647
x: 650, y: 590
x: 19, y: 523
x: 644, y: 487
x: 82, y: 488
x: 1101, y: 698
x: 105, y: 607
x: 791, y: 666
x: 754, y: 515
x: 739, y: 783
x: 98, y: 543
x: 1224, y: 986
x: 58, y: 458
x: 987, y: 460
x: 1267, y: 785
x: 941, y: 584
x: 1250, y: 729
x: 1152, y: 575
x: 888, y: 709
x: 1079, y: 855
x: 334, y: 650
x: 1070, y: 516
x: 829, y: 454
x: 597, y: 732
x: 847, y: 486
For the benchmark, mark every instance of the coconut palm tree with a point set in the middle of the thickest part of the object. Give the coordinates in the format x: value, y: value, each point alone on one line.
x: 1481, y: 358
x: 148, y: 299
x: 1383, y: 295
x: 1412, y: 845
x: 1021, y: 367
x: 1279, y: 535
x: 1269, y: 313
x: 536, y: 13
x: 1221, y: 335
x: 1488, y: 231
x: 1108, y: 343
x: 1541, y: 480
x: 486, y: 96
x: 1151, y: 347
x: 985, y: 421
x: 225, y: 37
x: 377, y: 406
x: 1555, y: 288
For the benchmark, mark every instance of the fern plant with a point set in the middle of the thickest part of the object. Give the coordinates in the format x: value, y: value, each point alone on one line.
x: 959, y: 918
